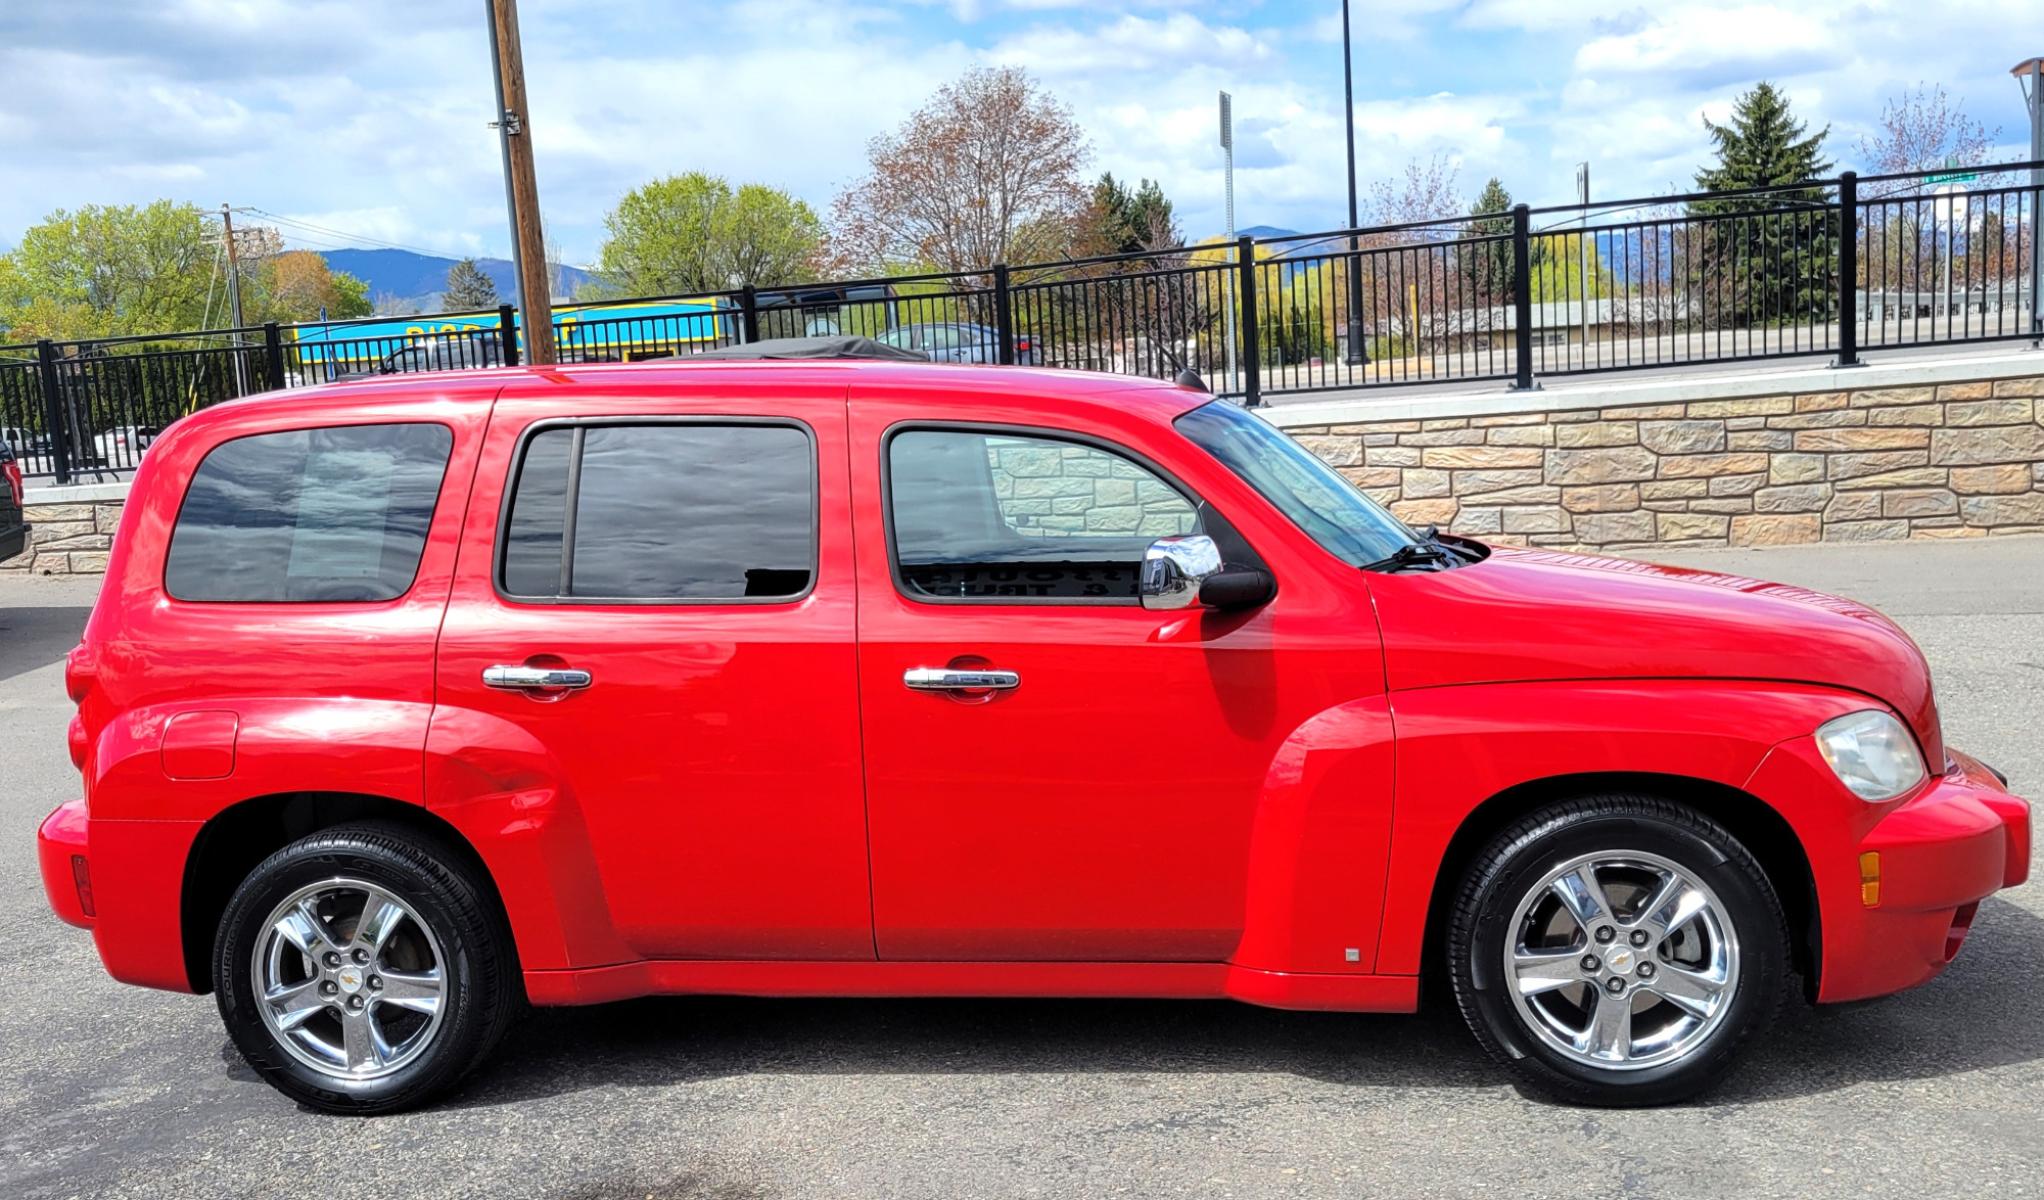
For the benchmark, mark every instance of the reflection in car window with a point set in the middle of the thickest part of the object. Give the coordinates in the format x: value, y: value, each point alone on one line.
x: 993, y: 516
x: 330, y: 514
x: 1329, y: 508
x: 682, y: 511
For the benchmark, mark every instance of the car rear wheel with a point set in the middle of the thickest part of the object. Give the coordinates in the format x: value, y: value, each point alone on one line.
x: 1617, y: 950
x: 363, y: 970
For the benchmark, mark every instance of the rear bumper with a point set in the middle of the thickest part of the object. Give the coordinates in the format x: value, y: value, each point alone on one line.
x: 60, y: 848
x: 1960, y: 839
x: 12, y: 541
x: 122, y: 880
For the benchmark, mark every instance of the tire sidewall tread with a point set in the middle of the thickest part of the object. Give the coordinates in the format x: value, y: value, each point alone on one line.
x: 1516, y: 858
x: 478, y: 962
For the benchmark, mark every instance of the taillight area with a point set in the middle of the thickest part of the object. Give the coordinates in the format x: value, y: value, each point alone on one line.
x: 12, y: 470
x: 81, y: 879
x: 79, y: 670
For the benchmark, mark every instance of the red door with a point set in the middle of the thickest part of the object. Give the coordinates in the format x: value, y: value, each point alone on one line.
x: 700, y: 586
x: 1103, y: 807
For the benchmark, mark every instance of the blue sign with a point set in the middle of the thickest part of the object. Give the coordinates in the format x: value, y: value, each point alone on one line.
x: 593, y: 330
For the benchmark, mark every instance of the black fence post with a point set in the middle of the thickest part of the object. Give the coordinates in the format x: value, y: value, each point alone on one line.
x: 748, y: 314
x: 1522, y: 296
x: 1004, y: 315
x: 55, y: 423
x: 273, y: 353
x: 1252, y: 369
x: 507, y: 334
x: 1848, y: 271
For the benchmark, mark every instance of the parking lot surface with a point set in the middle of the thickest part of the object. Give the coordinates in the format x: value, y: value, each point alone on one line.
x: 107, y: 1090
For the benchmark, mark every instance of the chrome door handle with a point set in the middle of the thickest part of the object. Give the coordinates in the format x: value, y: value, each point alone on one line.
x: 944, y: 679
x: 518, y: 679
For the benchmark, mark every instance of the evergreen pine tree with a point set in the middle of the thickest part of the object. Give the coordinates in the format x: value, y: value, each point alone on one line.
x: 1488, y: 267
x: 468, y: 288
x: 1771, y: 262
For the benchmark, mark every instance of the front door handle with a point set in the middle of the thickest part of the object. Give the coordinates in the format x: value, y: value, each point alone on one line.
x: 944, y: 679
x: 519, y: 679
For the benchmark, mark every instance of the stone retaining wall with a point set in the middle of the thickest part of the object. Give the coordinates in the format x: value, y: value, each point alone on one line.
x: 67, y: 539
x: 1952, y: 459
x: 1944, y: 460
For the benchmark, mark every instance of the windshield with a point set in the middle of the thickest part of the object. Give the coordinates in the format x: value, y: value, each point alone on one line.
x: 1331, y: 510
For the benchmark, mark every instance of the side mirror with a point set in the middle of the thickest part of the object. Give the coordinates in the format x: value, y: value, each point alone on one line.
x: 1186, y: 570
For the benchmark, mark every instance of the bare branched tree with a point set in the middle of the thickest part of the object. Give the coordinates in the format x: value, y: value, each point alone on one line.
x: 1923, y: 129
x: 987, y: 171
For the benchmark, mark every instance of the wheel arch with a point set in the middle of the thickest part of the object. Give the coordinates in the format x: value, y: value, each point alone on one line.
x: 237, y: 838
x: 1765, y: 833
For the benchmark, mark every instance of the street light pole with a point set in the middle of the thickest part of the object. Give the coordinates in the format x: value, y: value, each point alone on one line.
x: 1228, y: 169
x: 2030, y: 76
x: 1357, y: 355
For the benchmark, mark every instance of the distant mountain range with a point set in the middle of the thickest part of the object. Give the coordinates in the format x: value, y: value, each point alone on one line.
x: 406, y: 281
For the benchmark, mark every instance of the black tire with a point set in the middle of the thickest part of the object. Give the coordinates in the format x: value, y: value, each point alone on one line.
x: 1517, y: 861
x: 481, y: 991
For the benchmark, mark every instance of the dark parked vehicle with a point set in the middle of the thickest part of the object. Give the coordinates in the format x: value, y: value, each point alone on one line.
x: 959, y: 341
x: 440, y: 354
x: 13, y: 525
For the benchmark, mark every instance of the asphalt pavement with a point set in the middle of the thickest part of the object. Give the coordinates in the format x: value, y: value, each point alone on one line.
x: 112, y: 1091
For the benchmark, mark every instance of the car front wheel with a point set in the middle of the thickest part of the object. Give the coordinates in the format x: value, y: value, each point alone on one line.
x: 1617, y: 950
x: 363, y: 970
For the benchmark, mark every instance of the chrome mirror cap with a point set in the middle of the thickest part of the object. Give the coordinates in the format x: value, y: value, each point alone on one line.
x: 1174, y: 568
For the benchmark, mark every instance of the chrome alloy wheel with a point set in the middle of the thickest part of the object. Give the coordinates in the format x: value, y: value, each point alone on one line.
x: 348, y: 979
x: 1622, y: 960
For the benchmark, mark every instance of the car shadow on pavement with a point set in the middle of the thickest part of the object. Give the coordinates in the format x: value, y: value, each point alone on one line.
x: 36, y: 636
x: 667, y: 1041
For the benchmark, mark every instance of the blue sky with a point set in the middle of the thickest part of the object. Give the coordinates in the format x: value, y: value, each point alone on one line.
x: 366, y: 118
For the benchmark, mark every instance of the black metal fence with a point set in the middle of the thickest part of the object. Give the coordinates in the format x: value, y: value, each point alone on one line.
x: 1833, y: 267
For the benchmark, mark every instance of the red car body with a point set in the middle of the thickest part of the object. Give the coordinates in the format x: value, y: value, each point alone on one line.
x: 1266, y: 805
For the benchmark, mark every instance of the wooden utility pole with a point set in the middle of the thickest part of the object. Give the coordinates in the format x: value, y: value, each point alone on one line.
x: 233, y: 265
x: 521, y: 184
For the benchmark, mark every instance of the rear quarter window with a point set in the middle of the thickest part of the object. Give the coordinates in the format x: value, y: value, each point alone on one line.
x: 331, y: 514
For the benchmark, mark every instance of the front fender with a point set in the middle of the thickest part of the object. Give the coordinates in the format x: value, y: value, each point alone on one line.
x: 1459, y: 747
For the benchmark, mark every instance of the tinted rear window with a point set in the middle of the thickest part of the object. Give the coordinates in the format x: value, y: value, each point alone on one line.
x: 333, y: 514
x: 680, y: 511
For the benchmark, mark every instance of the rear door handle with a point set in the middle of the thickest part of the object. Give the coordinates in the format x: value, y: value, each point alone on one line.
x: 518, y: 679
x: 944, y: 679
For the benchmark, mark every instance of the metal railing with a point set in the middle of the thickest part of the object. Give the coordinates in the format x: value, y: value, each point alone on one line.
x: 1833, y: 267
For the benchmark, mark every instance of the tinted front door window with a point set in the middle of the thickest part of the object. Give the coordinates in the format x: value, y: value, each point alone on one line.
x: 994, y: 516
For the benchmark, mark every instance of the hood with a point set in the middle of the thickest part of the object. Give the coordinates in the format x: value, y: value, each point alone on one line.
x: 1524, y: 615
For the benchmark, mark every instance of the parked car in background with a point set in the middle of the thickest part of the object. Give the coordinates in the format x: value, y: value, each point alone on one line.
x: 406, y: 706
x: 959, y: 341
x: 450, y: 353
x: 13, y: 512
x: 122, y: 446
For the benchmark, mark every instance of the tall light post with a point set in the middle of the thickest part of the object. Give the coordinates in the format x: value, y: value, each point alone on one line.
x: 2030, y: 76
x: 1228, y: 173
x: 1356, y: 356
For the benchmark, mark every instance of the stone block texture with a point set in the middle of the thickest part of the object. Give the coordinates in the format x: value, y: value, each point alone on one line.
x: 67, y: 539
x: 1950, y: 460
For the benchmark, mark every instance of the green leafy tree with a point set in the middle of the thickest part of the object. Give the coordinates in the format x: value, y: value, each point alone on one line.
x: 468, y: 288
x: 694, y: 233
x: 1772, y: 259
x: 109, y: 270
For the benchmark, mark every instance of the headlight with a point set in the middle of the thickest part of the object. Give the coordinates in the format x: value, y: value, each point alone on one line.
x: 1871, y: 753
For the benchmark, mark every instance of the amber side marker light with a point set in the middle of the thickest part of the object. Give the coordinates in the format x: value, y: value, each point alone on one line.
x: 1870, y: 879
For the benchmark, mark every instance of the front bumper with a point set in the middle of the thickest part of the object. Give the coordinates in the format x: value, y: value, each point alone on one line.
x: 1958, y: 839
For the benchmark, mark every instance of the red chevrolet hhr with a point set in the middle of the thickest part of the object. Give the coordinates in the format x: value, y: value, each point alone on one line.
x: 410, y: 702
